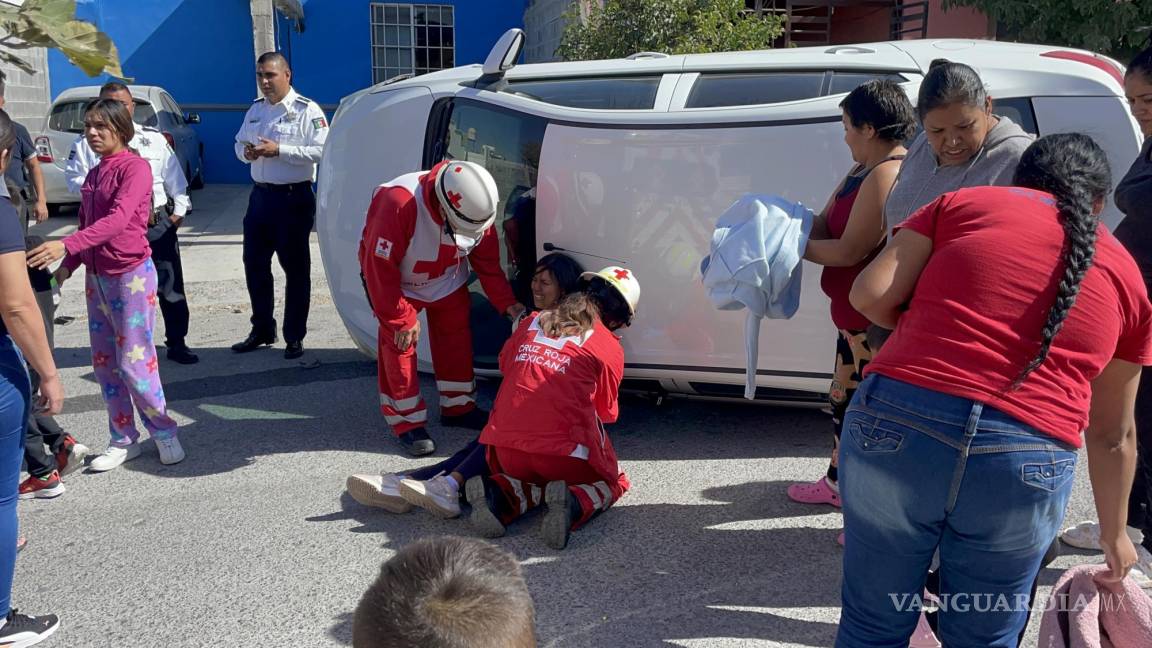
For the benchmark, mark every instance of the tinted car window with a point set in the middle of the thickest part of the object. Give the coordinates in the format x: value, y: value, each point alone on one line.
x: 605, y: 93
x: 845, y: 82
x: 717, y: 90
x: 68, y: 116
x: 171, y: 106
x: 1019, y: 110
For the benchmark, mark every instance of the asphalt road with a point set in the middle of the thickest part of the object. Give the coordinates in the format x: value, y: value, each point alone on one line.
x: 251, y: 541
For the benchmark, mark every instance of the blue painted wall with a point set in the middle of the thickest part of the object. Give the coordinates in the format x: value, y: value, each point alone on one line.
x: 201, y: 52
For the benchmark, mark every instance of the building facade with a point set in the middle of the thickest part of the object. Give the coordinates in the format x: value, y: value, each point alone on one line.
x: 201, y: 51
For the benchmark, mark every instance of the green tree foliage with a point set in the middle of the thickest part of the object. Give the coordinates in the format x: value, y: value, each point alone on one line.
x: 53, y: 24
x: 624, y: 27
x: 1107, y: 26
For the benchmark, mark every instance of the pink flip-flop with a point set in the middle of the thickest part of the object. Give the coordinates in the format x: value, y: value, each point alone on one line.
x: 817, y: 492
x: 840, y: 539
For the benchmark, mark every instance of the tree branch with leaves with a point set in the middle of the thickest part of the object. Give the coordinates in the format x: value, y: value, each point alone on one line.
x: 620, y: 28
x: 53, y: 24
x: 1114, y: 27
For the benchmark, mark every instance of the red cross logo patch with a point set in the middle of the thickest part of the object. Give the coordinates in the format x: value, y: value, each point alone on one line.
x: 455, y: 199
x: 621, y: 274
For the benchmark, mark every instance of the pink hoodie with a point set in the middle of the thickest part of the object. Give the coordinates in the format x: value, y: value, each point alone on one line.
x: 115, y: 203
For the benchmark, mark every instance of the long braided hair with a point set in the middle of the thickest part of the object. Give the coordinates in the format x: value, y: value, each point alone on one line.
x: 1074, y: 169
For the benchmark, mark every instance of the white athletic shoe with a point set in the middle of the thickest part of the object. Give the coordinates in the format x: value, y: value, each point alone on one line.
x: 1086, y: 535
x: 170, y: 450
x: 113, y: 457
x: 379, y: 491
x: 437, y: 495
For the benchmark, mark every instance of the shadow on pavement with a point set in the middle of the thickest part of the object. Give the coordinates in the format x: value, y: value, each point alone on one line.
x: 654, y: 574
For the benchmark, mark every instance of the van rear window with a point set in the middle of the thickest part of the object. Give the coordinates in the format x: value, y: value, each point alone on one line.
x: 602, y: 93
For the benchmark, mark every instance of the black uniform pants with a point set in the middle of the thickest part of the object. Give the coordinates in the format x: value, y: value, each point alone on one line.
x: 170, y: 287
x: 279, y: 221
x: 41, y: 428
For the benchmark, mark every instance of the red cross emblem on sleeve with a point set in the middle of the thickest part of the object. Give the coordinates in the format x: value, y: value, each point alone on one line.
x: 621, y: 274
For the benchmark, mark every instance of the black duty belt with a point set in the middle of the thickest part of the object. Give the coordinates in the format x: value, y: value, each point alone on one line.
x: 293, y: 186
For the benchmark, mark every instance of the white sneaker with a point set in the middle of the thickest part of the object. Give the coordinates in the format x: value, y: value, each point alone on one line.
x: 380, y: 491
x: 1142, y: 570
x: 170, y: 450
x: 113, y: 457
x: 437, y: 495
x: 1086, y: 535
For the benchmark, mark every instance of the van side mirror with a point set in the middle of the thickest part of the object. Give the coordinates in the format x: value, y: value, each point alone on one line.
x: 192, y: 118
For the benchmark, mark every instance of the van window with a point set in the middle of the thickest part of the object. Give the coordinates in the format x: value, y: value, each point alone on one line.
x: 68, y: 116
x: 751, y: 89
x: 845, y: 82
x: 1019, y: 110
x: 508, y: 144
x: 604, y: 93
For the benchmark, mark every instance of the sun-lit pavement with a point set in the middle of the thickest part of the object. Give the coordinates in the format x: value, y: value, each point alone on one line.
x: 250, y: 541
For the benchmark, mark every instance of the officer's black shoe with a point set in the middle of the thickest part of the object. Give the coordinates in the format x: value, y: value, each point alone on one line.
x: 474, y: 419
x: 562, y: 509
x: 182, y: 354
x: 254, y: 341
x: 293, y: 350
x: 417, y: 442
x: 480, y: 497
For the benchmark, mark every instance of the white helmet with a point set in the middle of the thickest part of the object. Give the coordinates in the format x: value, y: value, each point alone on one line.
x: 468, y: 196
x: 623, y: 281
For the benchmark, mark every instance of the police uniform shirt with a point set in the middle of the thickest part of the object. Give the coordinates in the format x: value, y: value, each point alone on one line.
x: 298, y: 125
x: 168, y: 179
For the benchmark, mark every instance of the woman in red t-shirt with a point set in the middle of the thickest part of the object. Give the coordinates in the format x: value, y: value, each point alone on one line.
x: 1020, y: 322
x: 878, y: 117
x: 545, y: 437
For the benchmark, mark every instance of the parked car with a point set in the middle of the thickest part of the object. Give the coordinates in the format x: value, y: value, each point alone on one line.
x: 635, y: 159
x: 154, y: 107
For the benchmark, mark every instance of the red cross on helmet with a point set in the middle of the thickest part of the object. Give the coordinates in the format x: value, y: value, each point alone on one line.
x: 468, y: 196
x: 623, y: 281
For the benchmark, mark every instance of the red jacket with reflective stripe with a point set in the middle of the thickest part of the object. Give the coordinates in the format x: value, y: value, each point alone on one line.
x: 557, y: 394
x: 397, y: 226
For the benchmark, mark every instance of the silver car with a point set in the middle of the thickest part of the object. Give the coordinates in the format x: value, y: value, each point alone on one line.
x: 154, y: 107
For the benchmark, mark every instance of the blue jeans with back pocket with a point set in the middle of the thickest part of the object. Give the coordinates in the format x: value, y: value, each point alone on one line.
x: 923, y: 471
x: 14, y: 403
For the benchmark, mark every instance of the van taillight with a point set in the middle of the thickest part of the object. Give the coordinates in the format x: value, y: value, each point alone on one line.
x: 44, y: 149
x: 171, y: 142
x: 1088, y: 59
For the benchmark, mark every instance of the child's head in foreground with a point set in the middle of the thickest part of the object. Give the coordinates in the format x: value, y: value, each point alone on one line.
x: 447, y: 592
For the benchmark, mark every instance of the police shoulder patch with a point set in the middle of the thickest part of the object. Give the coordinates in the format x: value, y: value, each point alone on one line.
x: 319, y: 123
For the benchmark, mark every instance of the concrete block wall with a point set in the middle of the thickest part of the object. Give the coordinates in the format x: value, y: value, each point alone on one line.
x: 28, y: 95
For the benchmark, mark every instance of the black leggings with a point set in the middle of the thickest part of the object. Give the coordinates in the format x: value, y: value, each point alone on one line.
x: 470, y: 461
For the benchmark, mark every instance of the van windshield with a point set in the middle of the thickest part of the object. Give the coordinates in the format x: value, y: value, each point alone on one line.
x: 68, y: 116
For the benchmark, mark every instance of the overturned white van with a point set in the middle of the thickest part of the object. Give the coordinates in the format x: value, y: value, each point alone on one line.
x: 634, y: 159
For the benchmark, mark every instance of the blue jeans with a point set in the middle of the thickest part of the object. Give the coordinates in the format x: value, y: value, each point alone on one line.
x: 923, y: 471
x: 14, y: 403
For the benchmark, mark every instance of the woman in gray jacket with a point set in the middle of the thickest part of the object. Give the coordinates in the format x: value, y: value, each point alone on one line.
x: 963, y: 144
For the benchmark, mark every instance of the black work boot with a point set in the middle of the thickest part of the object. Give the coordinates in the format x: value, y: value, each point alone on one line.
x: 417, y: 442
x: 482, y: 499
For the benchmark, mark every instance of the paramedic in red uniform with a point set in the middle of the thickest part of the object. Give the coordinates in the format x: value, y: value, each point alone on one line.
x: 423, y: 232
x: 546, y: 440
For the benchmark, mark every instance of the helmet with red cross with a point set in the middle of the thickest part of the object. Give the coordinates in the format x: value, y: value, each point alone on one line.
x: 621, y: 284
x: 468, y: 197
